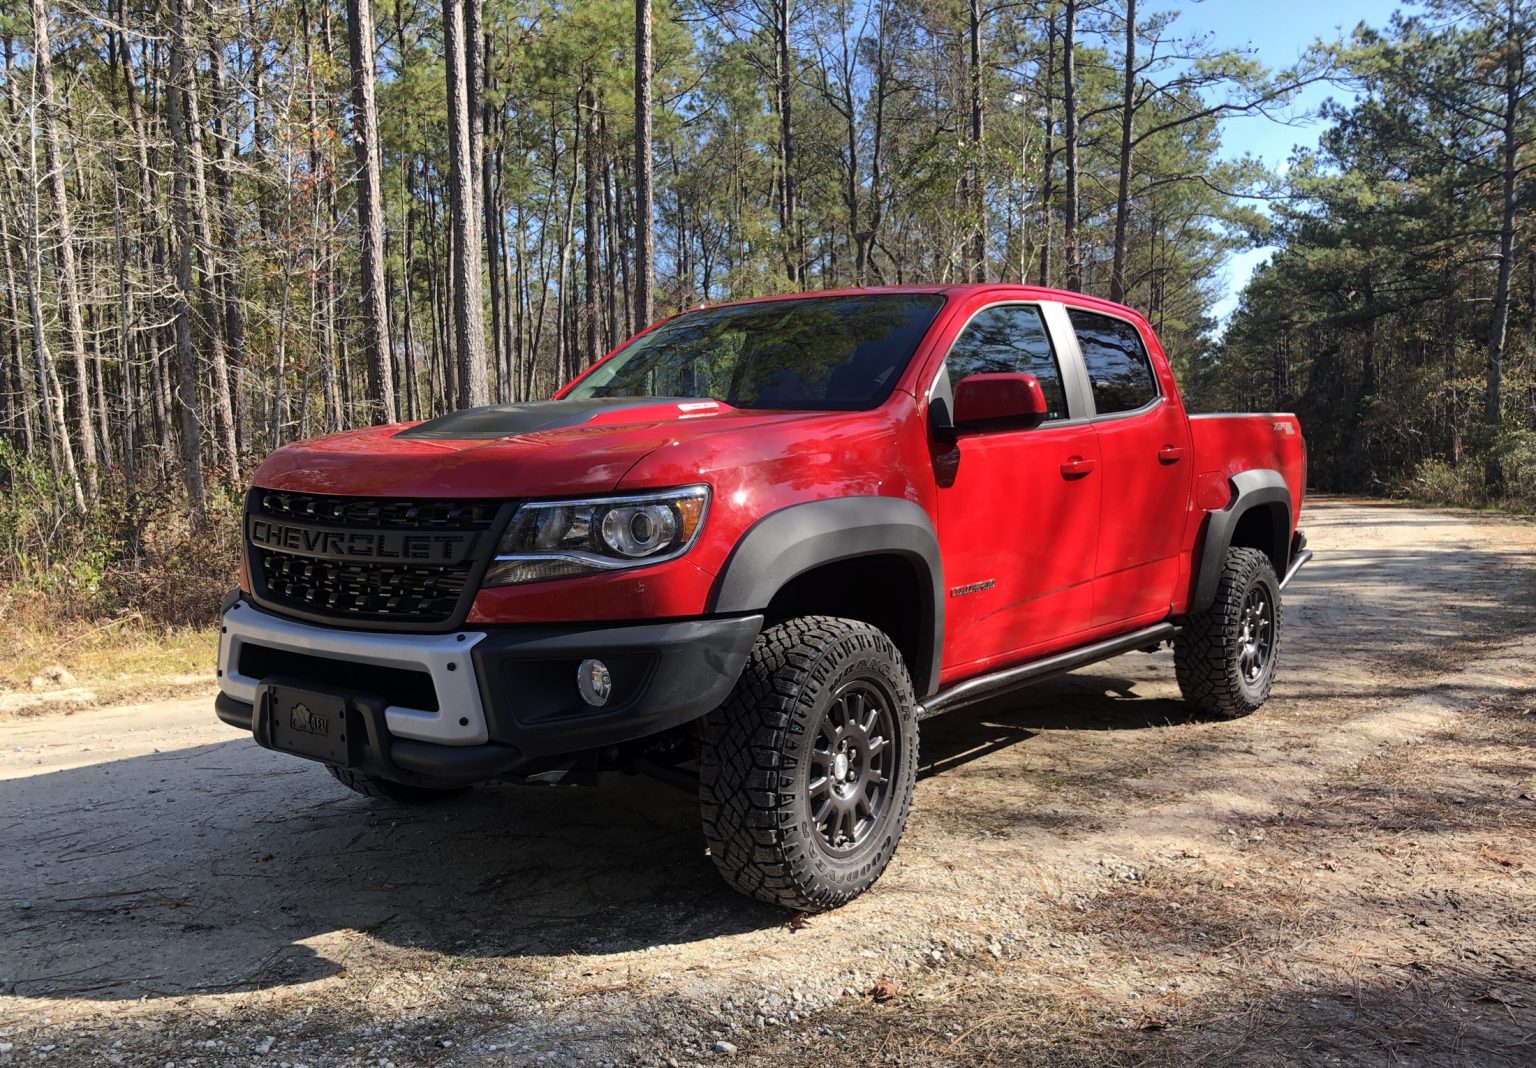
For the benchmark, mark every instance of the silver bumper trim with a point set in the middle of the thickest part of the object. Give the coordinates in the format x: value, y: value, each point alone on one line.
x: 459, y: 719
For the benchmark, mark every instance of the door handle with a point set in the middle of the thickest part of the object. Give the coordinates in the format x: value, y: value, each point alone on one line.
x: 1170, y: 454
x: 1077, y: 467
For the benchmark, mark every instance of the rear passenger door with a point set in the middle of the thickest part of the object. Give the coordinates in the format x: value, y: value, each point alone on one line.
x: 1017, y: 509
x: 1143, y: 441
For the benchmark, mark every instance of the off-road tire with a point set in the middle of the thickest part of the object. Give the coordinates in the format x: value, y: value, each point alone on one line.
x: 388, y: 790
x: 763, y: 746
x: 1208, y: 654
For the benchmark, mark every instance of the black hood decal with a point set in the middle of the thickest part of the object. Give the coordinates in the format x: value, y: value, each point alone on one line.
x: 506, y: 420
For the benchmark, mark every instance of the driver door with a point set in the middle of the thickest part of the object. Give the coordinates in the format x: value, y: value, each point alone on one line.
x: 1018, y: 509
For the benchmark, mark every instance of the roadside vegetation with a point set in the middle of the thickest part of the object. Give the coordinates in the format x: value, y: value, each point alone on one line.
x: 117, y: 602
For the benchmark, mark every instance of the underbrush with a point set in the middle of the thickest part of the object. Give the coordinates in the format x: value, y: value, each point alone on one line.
x: 126, y: 590
x: 1463, y: 486
x: 135, y: 552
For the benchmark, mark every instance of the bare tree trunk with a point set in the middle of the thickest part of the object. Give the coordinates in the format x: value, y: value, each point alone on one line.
x: 412, y: 397
x: 474, y: 85
x: 69, y: 287
x: 152, y: 252
x: 1498, y: 330
x: 590, y: 236
x: 1069, y: 105
x: 213, y: 311
x: 1123, y: 191
x: 978, y: 174
x: 125, y: 318
x: 18, y: 385
x: 186, y: 363
x: 228, y: 293
x: 882, y: 90
x: 645, y: 210
x: 468, y: 307
x: 789, y: 211
x: 370, y: 214
x: 1048, y: 167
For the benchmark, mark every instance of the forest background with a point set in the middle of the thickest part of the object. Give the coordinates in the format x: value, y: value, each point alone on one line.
x: 228, y: 224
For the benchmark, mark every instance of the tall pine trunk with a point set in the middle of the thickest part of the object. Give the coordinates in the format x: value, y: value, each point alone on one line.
x: 591, y: 235
x: 468, y: 306
x: 1048, y: 165
x: 69, y: 286
x: 978, y: 174
x: 185, y: 393
x: 207, y: 253
x: 645, y: 211
x: 783, y: 88
x: 1074, y: 250
x: 370, y: 214
x: 1123, y: 189
x: 1498, y: 331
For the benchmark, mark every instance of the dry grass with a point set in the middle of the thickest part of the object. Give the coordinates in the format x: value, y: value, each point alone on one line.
x: 119, y: 659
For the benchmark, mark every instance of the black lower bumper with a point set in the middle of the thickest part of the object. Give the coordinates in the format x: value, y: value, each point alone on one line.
x: 663, y: 675
x: 377, y: 752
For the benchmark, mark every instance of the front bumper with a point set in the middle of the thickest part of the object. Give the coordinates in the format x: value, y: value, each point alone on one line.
x: 474, y: 704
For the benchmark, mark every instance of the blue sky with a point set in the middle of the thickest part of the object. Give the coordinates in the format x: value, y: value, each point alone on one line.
x: 1280, y: 31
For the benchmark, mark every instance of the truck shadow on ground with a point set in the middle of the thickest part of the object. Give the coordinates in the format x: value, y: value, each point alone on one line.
x: 214, y: 868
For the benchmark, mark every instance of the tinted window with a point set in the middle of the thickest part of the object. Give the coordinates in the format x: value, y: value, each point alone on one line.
x: 1118, y: 367
x: 1009, y: 338
x: 816, y: 353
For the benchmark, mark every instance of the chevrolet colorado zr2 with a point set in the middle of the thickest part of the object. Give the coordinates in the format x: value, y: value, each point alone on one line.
x: 750, y: 551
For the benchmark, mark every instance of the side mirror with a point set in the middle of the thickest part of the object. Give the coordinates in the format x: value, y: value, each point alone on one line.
x: 1000, y: 401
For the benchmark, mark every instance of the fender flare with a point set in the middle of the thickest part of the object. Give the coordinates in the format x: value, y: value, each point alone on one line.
x: 785, y: 544
x: 1259, y: 488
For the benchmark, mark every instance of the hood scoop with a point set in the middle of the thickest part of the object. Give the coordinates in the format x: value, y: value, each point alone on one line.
x: 494, y: 421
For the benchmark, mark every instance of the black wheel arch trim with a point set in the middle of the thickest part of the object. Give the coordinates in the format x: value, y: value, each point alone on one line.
x: 794, y: 540
x: 1258, y: 488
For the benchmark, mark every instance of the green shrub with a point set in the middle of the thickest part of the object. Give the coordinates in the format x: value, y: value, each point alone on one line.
x: 135, y: 552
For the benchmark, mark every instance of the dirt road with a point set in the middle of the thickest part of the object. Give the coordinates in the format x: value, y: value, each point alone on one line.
x: 1090, y: 875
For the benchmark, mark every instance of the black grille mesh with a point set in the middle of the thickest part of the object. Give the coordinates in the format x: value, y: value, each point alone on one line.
x: 377, y: 514
x: 381, y: 592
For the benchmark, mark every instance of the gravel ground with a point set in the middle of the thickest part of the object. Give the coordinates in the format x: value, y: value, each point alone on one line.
x: 1090, y: 876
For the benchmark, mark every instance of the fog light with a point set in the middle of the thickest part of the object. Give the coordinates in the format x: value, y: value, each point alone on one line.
x: 594, y: 683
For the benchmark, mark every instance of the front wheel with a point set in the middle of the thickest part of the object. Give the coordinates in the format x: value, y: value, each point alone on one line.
x: 807, y: 769
x: 1225, y: 657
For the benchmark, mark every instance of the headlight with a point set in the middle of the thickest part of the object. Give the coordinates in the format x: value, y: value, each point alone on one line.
x: 558, y: 539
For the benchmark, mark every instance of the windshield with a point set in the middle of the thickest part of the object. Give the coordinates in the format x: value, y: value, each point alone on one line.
x: 815, y: 353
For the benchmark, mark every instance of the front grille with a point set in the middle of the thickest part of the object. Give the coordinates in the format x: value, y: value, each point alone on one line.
x: 329, y: 585
x: 381, y: 591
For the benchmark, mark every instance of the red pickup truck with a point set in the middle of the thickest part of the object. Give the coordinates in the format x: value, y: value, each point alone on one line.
x: 750, y: 550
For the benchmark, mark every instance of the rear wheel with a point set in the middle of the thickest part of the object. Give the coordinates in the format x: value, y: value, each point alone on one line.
x: 807, y: 769
x: 388, y: 790
x: 1226, y: 656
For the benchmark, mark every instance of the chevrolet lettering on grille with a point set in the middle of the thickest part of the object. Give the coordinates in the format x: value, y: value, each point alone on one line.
x: 364, y: 545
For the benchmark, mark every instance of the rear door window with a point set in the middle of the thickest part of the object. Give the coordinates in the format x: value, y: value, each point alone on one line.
x: 1009, y: 339
x: 1119, y: 370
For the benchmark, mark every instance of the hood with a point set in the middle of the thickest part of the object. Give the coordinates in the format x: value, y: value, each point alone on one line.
x: 554, y: 448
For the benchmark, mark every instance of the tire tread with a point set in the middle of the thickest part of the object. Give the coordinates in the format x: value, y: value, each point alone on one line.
x: 1202, y: 654
x: 748, y: 767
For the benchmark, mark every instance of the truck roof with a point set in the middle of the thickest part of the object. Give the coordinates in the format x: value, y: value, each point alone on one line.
x: 1013, y: 289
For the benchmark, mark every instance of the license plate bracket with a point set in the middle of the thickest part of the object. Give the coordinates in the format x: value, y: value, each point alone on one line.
x: 308, y: 722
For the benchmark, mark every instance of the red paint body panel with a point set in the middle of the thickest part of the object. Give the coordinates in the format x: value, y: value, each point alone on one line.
x: 1050, y: 537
